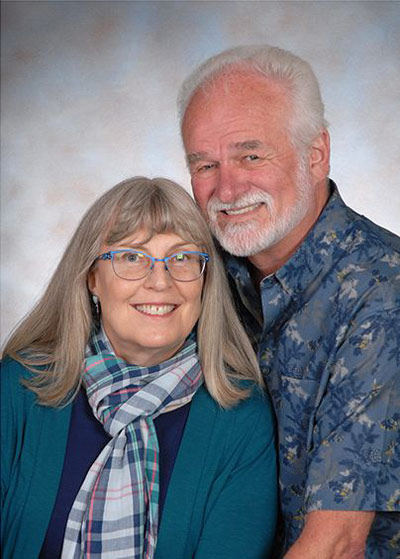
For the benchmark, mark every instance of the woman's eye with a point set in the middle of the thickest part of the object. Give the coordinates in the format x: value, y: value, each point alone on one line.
x: 131, y: 257
x: 180, y: 257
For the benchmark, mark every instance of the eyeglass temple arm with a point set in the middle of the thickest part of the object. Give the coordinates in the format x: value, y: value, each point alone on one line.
x: 105, y: 256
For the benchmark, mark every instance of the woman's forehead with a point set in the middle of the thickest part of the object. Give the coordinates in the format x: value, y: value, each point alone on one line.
x: 144, y: 235
x: 167, y: 241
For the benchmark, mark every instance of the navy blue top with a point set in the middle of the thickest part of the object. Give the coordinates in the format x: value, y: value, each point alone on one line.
x: 86, y: 439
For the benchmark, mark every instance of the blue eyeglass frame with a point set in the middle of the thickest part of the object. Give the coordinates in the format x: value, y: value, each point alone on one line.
x: 109, y: 255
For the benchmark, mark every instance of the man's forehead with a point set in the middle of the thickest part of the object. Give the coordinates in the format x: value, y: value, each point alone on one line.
x: 251, y: 99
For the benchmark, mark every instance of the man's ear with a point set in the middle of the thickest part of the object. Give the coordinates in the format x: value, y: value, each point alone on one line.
x: 319, y: 157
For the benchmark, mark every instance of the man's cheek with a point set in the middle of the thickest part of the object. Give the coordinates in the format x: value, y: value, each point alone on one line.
x: 200, y: 195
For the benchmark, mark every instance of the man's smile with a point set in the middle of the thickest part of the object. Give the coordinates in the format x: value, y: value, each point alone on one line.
x: 243, y: 210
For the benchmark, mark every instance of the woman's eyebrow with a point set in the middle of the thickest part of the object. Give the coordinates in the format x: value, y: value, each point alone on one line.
x: 181, y: 246
x: 142, y: 245
x: 131, y: 244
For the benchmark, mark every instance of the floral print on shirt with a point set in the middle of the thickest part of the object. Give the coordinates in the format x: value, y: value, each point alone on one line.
x: 327, y: 329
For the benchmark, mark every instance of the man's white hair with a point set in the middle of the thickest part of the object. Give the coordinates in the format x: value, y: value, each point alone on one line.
x: 292, y: 72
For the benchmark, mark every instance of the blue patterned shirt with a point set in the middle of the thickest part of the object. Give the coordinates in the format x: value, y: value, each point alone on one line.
x: 327, y: 328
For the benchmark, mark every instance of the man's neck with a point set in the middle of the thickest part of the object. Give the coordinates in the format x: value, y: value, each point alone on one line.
x: 270, y: 261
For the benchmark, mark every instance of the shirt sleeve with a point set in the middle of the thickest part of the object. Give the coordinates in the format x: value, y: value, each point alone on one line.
x: 354, y: 460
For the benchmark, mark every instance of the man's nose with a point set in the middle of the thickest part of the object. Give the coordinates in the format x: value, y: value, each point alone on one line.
x: 158, y: 278
x: 230, y: 183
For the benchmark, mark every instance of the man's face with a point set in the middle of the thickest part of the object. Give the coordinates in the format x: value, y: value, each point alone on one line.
x: 246, y: 175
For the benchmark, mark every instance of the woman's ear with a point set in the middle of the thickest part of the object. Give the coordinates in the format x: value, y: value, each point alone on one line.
x: 91, y: 281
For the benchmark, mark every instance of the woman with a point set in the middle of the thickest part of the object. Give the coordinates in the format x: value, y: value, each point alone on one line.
x: 112, y: 445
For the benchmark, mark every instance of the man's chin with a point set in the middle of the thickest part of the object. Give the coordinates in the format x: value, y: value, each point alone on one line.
x: 245, y: 253
x: 237, y: 245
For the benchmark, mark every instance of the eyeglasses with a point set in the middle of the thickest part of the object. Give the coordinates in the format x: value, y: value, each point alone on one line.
x: 132, y: 265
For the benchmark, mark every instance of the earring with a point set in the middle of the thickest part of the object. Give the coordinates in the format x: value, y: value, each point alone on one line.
x: 96, y: 304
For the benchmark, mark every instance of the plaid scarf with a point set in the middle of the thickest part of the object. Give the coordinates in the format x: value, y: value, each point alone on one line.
x: 115, y: 513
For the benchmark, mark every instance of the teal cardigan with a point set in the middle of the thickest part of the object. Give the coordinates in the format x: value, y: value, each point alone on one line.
x: 222, y: 496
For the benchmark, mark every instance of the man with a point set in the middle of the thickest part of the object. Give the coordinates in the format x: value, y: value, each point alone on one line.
x: 319, y: 289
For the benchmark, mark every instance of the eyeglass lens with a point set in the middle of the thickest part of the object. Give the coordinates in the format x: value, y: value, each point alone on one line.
x: 182, y: 266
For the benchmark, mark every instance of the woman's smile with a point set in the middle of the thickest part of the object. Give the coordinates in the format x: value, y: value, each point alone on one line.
x: 154, y: 309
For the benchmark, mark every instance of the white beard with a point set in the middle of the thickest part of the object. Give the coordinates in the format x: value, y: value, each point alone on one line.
x: 247, y: 238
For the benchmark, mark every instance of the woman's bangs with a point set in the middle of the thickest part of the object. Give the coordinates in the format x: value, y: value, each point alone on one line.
x: 154, y: 217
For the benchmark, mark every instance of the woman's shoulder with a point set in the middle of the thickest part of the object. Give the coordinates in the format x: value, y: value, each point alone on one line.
x: 12, y: 373
x: 254, y: 412
x: 9, y: 365
x: 13, y: 392
x: 20, y: 410
x: 257, y: 399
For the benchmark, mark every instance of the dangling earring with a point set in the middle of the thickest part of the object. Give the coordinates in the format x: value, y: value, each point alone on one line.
x: 96, y: 304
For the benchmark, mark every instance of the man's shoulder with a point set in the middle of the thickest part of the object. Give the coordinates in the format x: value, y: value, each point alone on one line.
x: 367, y: 261
x: 353, y: 233
x: 344, y: 228
x: 362, y: 259
x: 374, y: 236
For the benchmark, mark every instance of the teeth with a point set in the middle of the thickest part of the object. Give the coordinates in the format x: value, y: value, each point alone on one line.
x: 242, y: 210
x: 155, y: 309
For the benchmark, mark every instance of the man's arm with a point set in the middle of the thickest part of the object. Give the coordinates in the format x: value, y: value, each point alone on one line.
x: 332, y: 534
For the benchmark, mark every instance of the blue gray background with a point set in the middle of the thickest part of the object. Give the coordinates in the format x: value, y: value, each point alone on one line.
x: 88, y: 99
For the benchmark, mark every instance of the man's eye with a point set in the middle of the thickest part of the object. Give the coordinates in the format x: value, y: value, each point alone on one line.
x: 251, y: 157
x: 205, y: 168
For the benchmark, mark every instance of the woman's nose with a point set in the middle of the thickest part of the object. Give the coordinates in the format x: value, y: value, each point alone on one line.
x: 158, y: 277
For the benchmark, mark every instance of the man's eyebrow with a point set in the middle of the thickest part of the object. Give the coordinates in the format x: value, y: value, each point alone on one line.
x: 198, y: 156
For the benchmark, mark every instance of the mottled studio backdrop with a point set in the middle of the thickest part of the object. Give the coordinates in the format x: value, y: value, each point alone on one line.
x: 88, y: 99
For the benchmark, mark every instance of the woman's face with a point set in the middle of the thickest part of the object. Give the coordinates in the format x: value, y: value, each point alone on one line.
x: 147, y: 320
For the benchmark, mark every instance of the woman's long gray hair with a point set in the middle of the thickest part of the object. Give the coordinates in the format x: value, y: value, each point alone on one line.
x: 51, y: 340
